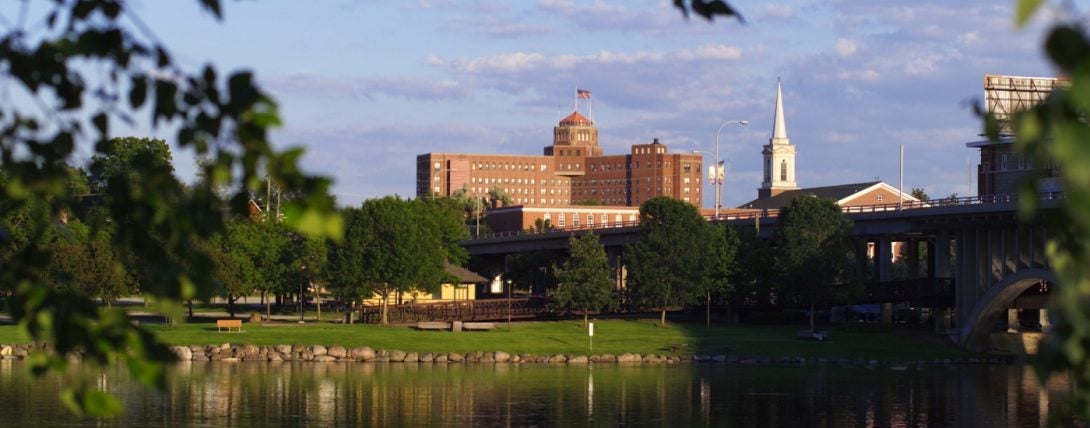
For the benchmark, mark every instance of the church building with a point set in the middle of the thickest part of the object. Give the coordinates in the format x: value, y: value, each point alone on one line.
x: 779, y: 185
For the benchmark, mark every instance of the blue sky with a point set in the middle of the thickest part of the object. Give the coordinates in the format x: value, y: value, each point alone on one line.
x: 366, y: 86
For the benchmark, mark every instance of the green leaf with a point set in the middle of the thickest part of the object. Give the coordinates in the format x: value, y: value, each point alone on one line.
x: 1025, y: 10
x: 90, y: 402
x: 139, y: 92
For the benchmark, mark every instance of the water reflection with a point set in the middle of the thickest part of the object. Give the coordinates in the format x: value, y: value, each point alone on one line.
x: 358, y: 394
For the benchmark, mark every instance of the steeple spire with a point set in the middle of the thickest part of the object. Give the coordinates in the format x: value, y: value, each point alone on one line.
x: 779, y: 126
x: 779, y: 155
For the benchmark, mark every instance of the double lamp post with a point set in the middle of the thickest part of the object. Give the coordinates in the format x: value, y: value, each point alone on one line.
x: 715, y: 172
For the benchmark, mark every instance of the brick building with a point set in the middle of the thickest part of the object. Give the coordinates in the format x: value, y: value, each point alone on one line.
x: 571, y: 171
x: 1001, y: 167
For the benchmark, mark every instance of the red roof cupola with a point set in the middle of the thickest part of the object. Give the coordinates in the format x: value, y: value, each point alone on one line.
x: 575, y: 119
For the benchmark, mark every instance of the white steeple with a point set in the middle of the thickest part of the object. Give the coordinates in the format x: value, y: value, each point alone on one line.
x: 779, y: 155
x: 779, y: 126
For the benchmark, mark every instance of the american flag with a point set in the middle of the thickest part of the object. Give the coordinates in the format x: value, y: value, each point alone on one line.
x: 582, y: 93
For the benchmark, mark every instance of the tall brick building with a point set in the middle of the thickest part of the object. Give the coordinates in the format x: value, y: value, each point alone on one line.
x: 572, y: 170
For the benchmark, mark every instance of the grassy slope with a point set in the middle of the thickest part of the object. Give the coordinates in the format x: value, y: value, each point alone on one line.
x: 569, y: 337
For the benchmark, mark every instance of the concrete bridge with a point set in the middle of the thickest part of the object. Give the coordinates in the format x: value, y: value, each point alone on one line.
x: 995, y: 263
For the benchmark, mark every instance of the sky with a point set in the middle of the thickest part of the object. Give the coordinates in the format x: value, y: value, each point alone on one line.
x: 366, y: 86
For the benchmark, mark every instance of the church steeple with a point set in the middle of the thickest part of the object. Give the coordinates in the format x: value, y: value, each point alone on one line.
x: 779, y: 155
x: 779, y: 126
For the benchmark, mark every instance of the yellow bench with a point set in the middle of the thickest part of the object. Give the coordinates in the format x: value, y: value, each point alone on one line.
x: 229, y: 324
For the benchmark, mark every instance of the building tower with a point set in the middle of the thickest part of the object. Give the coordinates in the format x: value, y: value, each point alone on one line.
x: 574, y: 139
x: 779, y: 156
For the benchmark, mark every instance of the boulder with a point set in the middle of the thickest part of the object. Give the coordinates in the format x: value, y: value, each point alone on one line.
x: 283, y: 349
x: 487, y: 358
x: 337, y: 352
x: 455, y: 357
x: 255, y: 318
x: 516, y: 358
x: 182, y: 352
x: 580, y: 359
x: 318, y: 350
x: 629, y: 358
x: 295, y: 349
x: 651, y: 358
x: 558, y: 358
x: 5, y: 351
x: 441, y: 358
x: 397, y: 355
x: 363, y: 353
x: 607, y: 358
x: 411, y: 357
x: 324, y: 358
x: 427, y: 357
x: 275, y: 358
x: 249, y: 351
x: 501, y: 357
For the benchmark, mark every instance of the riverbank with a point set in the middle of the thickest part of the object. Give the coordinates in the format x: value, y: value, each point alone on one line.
x: 570, y: 338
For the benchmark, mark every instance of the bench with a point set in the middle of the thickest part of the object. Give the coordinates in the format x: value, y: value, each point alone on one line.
x: 229, y: 324
x: 432, y: 325
x: 481, y: 326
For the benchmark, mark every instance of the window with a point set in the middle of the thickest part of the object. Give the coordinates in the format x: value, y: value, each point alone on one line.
x: 617, y: 220
x: 881, y: 197
x: 560, y: 221
x: 605, y: 219
x: 688, y: 168
x: 1021, y: 162
x: 1003, y: 163
x: 438, y: 166
x: 575, y: 220
x: 768, y: 170
x: 590, y: 220
x: 783, y: 170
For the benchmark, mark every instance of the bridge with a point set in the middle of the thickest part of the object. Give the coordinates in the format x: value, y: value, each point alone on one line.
x: 977, y: 246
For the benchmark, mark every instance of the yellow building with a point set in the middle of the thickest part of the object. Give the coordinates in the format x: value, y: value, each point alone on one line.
x: 464, y: 289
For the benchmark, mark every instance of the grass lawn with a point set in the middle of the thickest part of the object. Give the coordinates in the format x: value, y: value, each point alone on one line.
x: 569, y: 337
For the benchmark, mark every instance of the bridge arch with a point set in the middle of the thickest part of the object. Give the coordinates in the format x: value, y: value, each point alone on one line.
x: 976, y: 329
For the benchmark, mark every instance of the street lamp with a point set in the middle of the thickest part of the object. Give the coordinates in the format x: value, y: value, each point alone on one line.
x: 718, y: 165
x: 437, y: 172
x: 302, y: 277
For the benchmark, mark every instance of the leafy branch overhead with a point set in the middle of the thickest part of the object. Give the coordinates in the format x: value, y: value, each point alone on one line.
x: 708, y: 9
x: 84, y: 65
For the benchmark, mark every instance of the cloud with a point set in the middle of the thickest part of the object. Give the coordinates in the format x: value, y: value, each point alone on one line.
x: 845, y: 47
x: 411, y: 88
x: 517, y: 62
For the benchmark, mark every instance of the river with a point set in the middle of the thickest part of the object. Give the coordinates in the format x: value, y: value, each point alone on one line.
x: 690, y: 395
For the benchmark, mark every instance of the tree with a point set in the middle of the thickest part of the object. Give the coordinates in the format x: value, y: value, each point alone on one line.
x: 133, y: 74
x: 813, y: 252
x: 88, y: 265
x: 665, y: 264
x: 303, y: 258
x: 720, y: 248
x: 398, y: 246
x: 920, y: 194
x: 1055, y: 132
x: 585, y: 280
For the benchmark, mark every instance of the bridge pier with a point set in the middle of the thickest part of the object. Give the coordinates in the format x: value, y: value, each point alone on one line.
x: 884, y: 253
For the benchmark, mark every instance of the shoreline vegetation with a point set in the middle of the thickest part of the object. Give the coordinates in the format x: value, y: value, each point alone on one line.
x: 637, y: 340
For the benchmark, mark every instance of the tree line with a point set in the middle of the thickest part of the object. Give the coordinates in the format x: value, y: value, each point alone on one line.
x: 391, y: 245
x: 680, y: 260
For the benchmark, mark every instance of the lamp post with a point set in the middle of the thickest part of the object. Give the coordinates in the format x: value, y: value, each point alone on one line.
x: 718, y: 162
x: 437, y: 172
x: 302, y: 277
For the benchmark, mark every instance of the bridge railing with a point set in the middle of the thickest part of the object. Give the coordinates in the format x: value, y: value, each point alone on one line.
x: 772, y: 213
x: 470, y: 310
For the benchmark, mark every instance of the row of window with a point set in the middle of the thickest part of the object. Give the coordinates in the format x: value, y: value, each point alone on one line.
x: 587, y: 219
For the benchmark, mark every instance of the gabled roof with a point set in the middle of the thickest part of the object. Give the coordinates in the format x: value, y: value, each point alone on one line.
x: 842, y: 193
x: 464, y: 276
x: 575, y: 119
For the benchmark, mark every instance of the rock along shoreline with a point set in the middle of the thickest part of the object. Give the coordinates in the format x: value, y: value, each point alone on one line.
x: 323, y: 354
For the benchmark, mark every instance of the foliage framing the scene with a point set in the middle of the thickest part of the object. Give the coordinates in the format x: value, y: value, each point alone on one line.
x: 1055, y: 132
x: 47, y: 60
